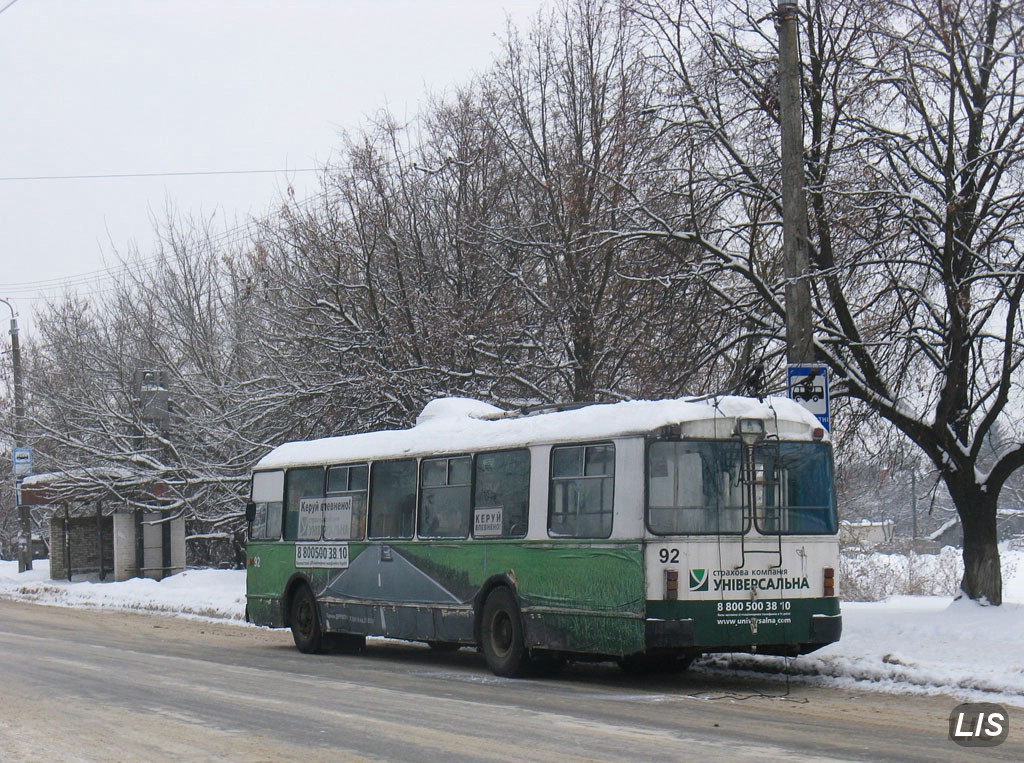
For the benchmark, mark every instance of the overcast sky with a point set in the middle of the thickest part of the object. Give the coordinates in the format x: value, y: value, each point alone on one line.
x: 126, y: 87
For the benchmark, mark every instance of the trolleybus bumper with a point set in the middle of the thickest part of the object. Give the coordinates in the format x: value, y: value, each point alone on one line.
x: 669, y: 633
x: 673, y: 634
x: 826, y: 629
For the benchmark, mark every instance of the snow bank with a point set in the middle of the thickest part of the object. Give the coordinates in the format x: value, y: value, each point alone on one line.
x: 913, y: 645
x: 918, y: 645
x: 216, y: 594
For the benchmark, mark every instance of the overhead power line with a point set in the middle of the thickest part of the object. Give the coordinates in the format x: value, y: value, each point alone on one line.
x: 119, y: 175
x: 32, y: 291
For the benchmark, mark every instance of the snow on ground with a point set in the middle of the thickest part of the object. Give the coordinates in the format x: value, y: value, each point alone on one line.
x: 217, y: 594
x: 902, y: 645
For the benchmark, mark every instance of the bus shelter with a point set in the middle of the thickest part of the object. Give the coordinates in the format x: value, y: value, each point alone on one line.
x: 98, y: 525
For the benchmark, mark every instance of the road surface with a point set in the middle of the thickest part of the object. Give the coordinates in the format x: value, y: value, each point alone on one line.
x: 97, y: 687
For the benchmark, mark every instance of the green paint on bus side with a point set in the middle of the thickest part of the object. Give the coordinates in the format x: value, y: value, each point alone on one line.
x: 585, y: 598
x: 580, y: 597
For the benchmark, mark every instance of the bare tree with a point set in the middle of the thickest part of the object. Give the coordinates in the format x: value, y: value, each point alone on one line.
x: 913, y: 164
x: 571, y: 104
x: 182, y: 314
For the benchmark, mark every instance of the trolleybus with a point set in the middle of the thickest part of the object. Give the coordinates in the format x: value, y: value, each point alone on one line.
x: 648, y: 532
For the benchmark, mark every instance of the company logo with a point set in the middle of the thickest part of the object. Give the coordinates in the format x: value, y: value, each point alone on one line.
x: 979, y: 724
x: 698, y: 580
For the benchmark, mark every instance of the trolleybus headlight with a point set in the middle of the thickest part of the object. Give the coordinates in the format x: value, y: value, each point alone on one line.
x: 751, y: 431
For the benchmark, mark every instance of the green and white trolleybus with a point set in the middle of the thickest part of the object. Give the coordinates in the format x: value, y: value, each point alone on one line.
x: 649, y: 532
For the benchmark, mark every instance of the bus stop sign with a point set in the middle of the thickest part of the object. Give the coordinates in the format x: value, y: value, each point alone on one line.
x: 808, y: 385
x: 22, y: 461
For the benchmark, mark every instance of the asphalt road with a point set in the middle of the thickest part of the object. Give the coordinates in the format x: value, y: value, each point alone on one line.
x: 93, y: 686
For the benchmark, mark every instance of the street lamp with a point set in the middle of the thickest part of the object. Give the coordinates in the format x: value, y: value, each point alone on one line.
x: 25, y: 550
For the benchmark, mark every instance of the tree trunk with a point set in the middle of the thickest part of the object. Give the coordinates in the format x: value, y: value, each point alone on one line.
x: 983, y: 579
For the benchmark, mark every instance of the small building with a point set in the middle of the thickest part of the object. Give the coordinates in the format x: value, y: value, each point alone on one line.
x: 103, y: 523
x: 949, y: 534
x: 1010, y: 524
x: 865, y: 534
x: 1009, y: 527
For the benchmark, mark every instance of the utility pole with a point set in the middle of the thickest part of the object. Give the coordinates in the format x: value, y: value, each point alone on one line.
x: 799, y: 337
x: 25, y: 547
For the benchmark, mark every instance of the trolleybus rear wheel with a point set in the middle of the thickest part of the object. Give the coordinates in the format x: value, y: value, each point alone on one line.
x: 501, y: 634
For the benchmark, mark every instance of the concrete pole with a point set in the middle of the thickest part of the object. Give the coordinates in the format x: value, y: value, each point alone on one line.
x: 25, y: 550
x: 799, y: 337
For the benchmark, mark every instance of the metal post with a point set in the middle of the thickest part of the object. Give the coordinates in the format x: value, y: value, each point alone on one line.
x: 165, y: 548
x: 67, y: 540
x: 99, y: 539
x: 913, y: 503
x: 25, y: 550
x: 799, y: 337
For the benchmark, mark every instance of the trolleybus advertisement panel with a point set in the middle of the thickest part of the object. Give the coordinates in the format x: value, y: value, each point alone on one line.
x: 324, y: 518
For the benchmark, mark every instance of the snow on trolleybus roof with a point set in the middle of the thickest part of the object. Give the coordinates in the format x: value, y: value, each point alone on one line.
x: 457, y: 425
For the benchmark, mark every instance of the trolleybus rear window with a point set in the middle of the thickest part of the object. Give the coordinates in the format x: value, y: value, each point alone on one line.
x: 694, y: 488
x: 704, y: 487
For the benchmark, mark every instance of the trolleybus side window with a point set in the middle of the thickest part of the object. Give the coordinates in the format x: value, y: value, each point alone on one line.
x: 501, y: 496
x: 303, y: 485
x: 694, y: 488
x: 393, y: 498
x: 267, y: 492
x: 582, y: 489
x: 345, y: 507
x: 444, y: 497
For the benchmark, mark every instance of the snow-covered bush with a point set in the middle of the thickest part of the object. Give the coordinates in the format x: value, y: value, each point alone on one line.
x: 877, y: 576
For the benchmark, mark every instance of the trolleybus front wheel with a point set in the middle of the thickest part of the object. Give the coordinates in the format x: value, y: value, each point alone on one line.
x: 305, y: 622
x: 501, y: 634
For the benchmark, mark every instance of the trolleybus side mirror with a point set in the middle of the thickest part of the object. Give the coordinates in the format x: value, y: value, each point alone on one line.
x: 250, y: 512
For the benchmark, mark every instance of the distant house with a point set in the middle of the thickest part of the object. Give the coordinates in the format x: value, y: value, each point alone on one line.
x: 865, y: 534
x: 104, y: 522
x: 950, y: 534
x: 1010, y: 523
x: 1009, y: 526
